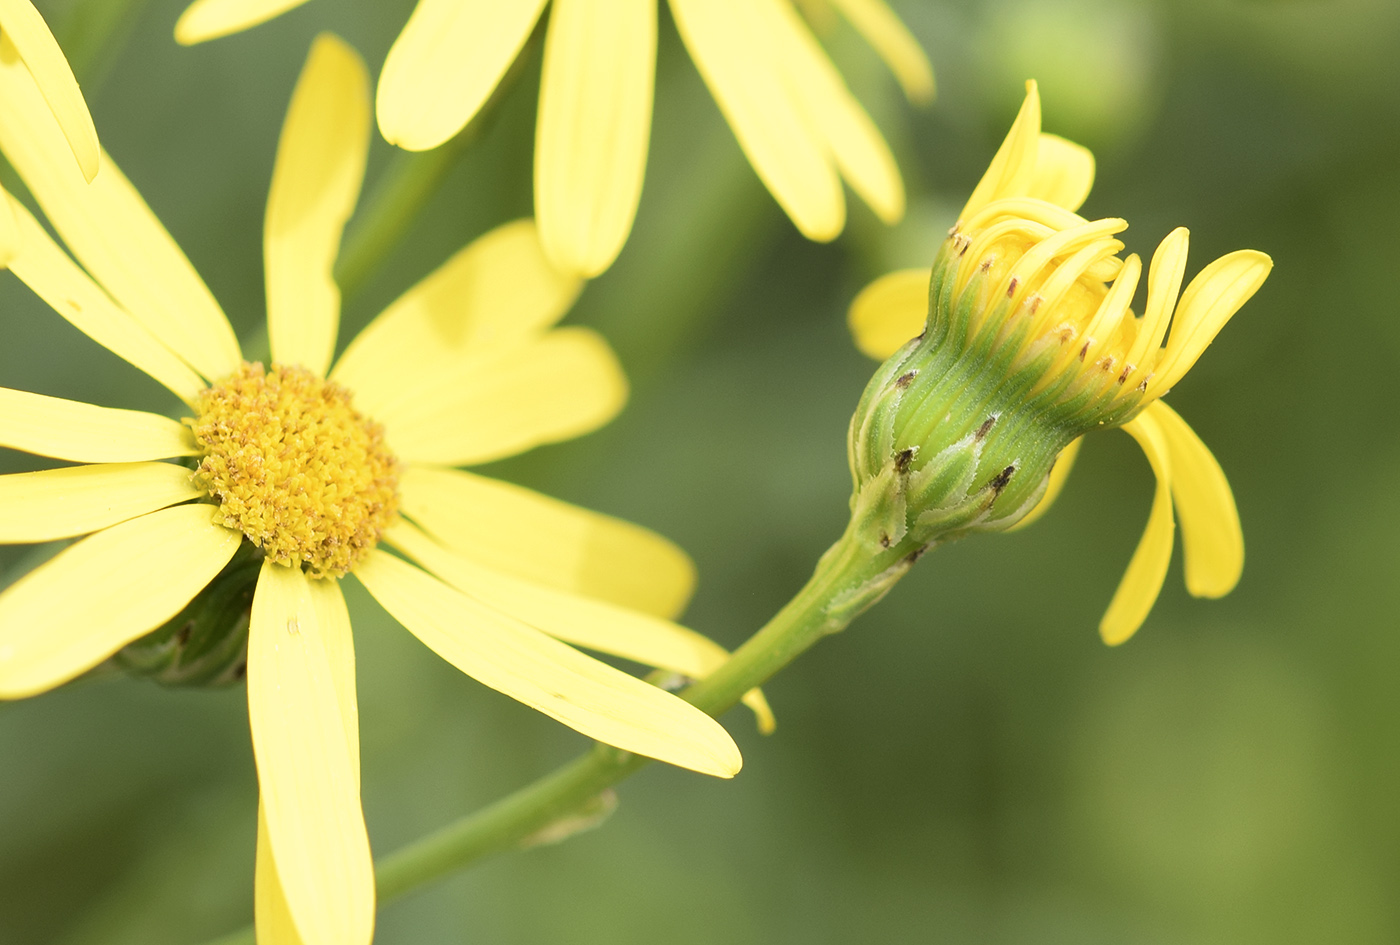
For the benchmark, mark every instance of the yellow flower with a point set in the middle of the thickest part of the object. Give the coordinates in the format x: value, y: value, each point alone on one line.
x: 789, y: 107
x: 1026, y: 280
x: 466, y: 367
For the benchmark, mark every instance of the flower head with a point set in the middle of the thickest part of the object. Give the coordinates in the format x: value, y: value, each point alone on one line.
x: 790, y: 109
x: 1023, y: 340
x: 310, y: 472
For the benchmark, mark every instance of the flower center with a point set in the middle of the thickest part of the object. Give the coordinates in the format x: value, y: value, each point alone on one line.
x: 295, y: 467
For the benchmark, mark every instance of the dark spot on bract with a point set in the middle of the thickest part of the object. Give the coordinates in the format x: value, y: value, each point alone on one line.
x: 902, y: 459
x: 905, y: 379
x: 999, y: 482
x: 984, y: 429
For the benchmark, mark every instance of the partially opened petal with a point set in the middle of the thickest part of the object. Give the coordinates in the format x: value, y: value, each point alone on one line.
x: 852, y: 138
x: 1212, y: 541
x: 589, y: 623
x: 1059, y: 475
x: 1208, y: 303
x: 43, y: 266
x: 96, y: 596
x: 889, y: 312
x: 271, y: 916
x: 54, y: 77
x: 307, y: 768
x: 210, y: 19
x: 445, y: 64
x: 111, y: 231
x: 593, y: 128
x: 601, y: 702
x: 1064, y: 172
x: 513, y: 529
x: 77, y: 500
x: 499, y: 290
x: 888, y: 35
x: 564, y: 385
x: 1012, y: 171
x: 315, y: 183
x: 82, y: 433
x: 1138, y: 590
x: 726, y: 40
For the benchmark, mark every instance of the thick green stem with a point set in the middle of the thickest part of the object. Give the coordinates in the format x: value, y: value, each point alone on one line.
x: 849, y: 578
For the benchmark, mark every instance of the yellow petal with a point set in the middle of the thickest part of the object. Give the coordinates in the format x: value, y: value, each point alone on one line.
x: 1064, y: 172
x: 1138, y: 590
x: 36, y: 46
x: 271, y: 916
x: 210, y: 19
x: 47, y: 269
x: 315, y: 183
x: 445, y: 64
x: 96, y: 596
x: 112, y: 232
x: 891, y: 39
x: 564, y: 385
x: 513, y: 529
x: 499, y: 290
x: 727, y: 39
x: 592, y: 624
x: 61, y: 503
x: 1212, y: 541
x: 889, y: 312
x: 1163, y: 285
x: 9, y: 231
x: 593, y: 128
x: 1013, y: 167
x: 1209, y: 301
x: 82, y: 433
x: 852, y: 138
x: 583, y: 693
x: 1059, y: 475
x: 307, y: 769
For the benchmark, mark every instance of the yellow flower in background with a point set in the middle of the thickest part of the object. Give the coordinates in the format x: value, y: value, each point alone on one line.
x: 1039, y: 287
x: 791, y: 111
x: 321, y: 467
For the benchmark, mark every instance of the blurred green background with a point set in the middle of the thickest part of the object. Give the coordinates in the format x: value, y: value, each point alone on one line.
x: 967, y: 763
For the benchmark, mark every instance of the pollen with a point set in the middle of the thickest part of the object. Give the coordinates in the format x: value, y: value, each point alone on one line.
x: 295, y: 468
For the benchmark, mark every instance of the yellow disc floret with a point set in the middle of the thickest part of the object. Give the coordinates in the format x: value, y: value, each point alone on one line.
x: 295, y: 467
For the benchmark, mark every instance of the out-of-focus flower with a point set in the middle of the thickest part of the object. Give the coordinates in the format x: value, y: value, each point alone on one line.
x: 790, y: 109
x: 1023, y: 341
x: 466, y: 367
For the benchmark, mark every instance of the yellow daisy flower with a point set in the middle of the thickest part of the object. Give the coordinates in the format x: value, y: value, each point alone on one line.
x: 1025, y: 279
x: 320, y: 466
x: 790, y: 109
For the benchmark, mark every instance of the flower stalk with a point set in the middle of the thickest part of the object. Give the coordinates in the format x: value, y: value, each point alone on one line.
x: 849, y: 579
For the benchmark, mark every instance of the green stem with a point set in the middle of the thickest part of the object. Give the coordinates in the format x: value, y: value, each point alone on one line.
x: 400, y: 194
x: 849, y: 578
